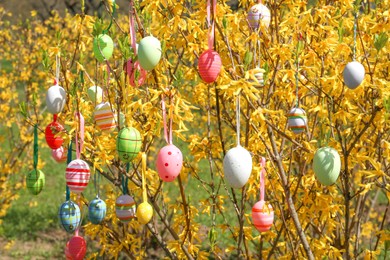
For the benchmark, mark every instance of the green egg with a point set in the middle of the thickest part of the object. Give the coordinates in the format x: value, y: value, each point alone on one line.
x: 327, y: 165
x: 128, y: 144
x: 103, y: 47
x: 149, y: 52
x: 35, y: 180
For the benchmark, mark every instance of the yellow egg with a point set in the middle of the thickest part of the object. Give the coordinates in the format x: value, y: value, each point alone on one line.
x: 144, y: 212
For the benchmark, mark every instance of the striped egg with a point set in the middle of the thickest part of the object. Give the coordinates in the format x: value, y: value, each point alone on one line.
x: 259, y: 13
x: 260, y: 78
x: 77, y: 175
x: 60, y: 154
x: 125, y: 208
x: 70, y: 216
x: 53, y: 139
x: 209, y: 66
x: 35, y: 180
x: 104, y: 117
x: 297, y: 120
x: 128, y: 144
x: 262, y: 217
x: 77, y: 247
x: 97, y: 210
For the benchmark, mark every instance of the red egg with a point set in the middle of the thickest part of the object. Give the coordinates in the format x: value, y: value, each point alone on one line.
x: 59, y: 154
x: 209, y: 66
x: 262, y: 216
x: 77, y: 247
x: 68, y: 256
x: 53, y: 139
x: 169, y: 162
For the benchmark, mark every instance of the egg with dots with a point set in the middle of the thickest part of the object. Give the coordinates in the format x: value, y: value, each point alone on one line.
x: 297, y: 120
x: 70, y: 216
x: 149, y: 52
x: 136, y: 74
x: 52, y: 135
x: 125, y: 208
x: 262, y: 216
x: 77, y: 247
x: 77, y: 175
x: 327, y: 165
x: 353, y: 74
x: 128, y: 144
x: 55, y: 99
x: 97, y: 210
x: 104, y: 117
x: 103, y: 47
x: 237, y: 167
x: 60, y: 154
x: 257, y: 14
x: 144, y: 212
x: 95, y: 94
x: 209, y: 66
x: 169, y: 162
x: 35, y: 180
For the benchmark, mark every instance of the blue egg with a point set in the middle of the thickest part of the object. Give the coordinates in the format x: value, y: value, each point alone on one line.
x: 97, y: 210
x: 70, y: 216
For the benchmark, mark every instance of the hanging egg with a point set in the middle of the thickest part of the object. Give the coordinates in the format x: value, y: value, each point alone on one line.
x: 128, y: 144
x: 327, y: 165
x: 169, y: 162
x: 259, y: 13
x: 297, y: 120
x: 103, y: 47
x: 136, y: 74
x: 77, y: 175
x: 77, y: 247
x: 97, y: 210
x: 149, y: 52
x: 70, y: 216
x: 209, y: 66
x: 55, y: 99
x: 53, y: 139
x: 68, y: 256
x: 262, y: 216
x: 144, y: 213
x: 353, y: 74
x: 104, y: 117
x: 125, y: 208
x: 60, y: 154
x: 237, y: 166
x: 35, y: 180
x: 95, y: 94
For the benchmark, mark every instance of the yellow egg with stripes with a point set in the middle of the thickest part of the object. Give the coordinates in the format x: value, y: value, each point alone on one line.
x: 105, y: 117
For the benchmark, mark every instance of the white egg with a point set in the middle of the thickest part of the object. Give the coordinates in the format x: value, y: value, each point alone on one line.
x: 353, y: 74
x: 237, y: 166
x: 95, y: 94
x: 55, y: 99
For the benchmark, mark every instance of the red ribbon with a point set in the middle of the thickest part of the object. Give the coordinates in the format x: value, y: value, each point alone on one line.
x: 79, y: 147
x: 262, y: 177
x: 168, y: 139
x: 212, y: 31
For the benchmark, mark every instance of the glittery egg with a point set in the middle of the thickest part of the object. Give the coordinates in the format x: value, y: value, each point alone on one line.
x: 70, y: 216
x: 144, y: 212
x: 169, y: 162
x: 297, y: 120
x: 77, y: 175
x: 60, y: 154
x: 262, y: 216
x: 35, y: 180
x: 149, y: 52
x: 259, y: 13
x: 136, y: 74
x: 95, y: 94
x: 77, y: 247
x: 55, y: 99
x: 97, y: 210
x: 125, y: 208
x: 353, y: 74
x: 237, y: 166
x: 209, y: 66
x: 104, y: 117
x: 128, y: 144
x: 53, y: 138
x: 103, y: 47
x: 327, y: 165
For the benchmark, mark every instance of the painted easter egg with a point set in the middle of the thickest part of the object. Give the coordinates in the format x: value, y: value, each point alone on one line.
x: 259, y: 13
x: 77, y: 175
x: 55, y: 99
x: 95, y: 94
x: 67, y: 253
x: 97, y: 210
x: 125, y: 208
x: 353, y: 74
x: 104, y: 117
x: 103, y: 47
x: 297, y: 120
x: 169, y: 162
x: 35, y: 180
x: 144, y: 213
x: 53, y: 139
x: 136, y: 74
x: 149, y: 52
x: 262, y: 216
x: 70, y: 216
x: 237, y: 166
x: 327, y: 165
x: 209, y: 66
x: 128, y: 143
x: 77, y: 247
x: 60, y: 154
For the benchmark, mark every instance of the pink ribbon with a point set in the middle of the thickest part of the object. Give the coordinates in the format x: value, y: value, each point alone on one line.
x: 262, y: 177
x: 79, y: 147
x: 168, y: 139
x: 132, y: 30
x: 212, y: 31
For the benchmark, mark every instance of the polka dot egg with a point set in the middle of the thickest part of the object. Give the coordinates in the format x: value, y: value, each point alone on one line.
x: 125, y: 208
x: 262, y: 216
x: 297, y: 120
x: 169, y: 162
x: 77, y: 175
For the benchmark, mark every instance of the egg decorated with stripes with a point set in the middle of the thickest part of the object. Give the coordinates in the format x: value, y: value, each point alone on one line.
x: 125, y: 208
x: 262, y: 216
x: 77, y: 175
x: 35, y: 180
x: 52, y: 135
x: 70, y: 216
x: 257, y: 14
x: 297, y: 120
x: 97, y: 210
x: 169, y: 162
x: 128, y: 143
x: 209, y: 66
x: 105, y: 117
x: 77, y: 247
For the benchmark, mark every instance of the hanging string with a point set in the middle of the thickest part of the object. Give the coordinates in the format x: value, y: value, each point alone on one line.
x: 58, y: 65
x: 35, y: 158
x: 105, y: 31
x: 297, y: 70
x: 125, y: 180
x: 262, y: 179
x: 144, y: 193
x: 238, y: 119
x: 167, y: 132
x: 211, y: 25
x: 79, y: 146
x: 68, y: 160
x: 355, y: 34
x: 96, y: 180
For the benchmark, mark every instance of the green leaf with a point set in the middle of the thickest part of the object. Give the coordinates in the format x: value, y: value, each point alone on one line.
x: 45, y: 60
x: 248, y: 58
x: 380, y: 41
x: 97, y: 27
x: 23, y: 109
x: 225, y: 22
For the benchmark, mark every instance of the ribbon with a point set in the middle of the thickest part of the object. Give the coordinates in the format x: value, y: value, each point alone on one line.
x: 167, y: 136
x: 212, y: 31
x: 238, y: 119
x: 68, y: 160
x: 79, y: 146
x: 354, y: 35
x: 112, y: 17
x: 96, y: 180
x: 297, y: 71
x: 125, y: 180
x: 132, y: 29
x: 58, y: 65
x: 144, y: 194
x: 262, y: 178
x: 35, y: 158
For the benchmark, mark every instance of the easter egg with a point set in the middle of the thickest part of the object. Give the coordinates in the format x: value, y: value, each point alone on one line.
x: 136, y: 74
x: 95, y: 94
x: 70, y: 216
x: 237, y: 166
x: 103, y: 47
x: 297, y: 120
x: 353, y: 74
x: 104, y: 117
x: 60, y: 154
x: 125, y: 208
x: 35, y: 180
x: 327, y: 165
x: 149, y: 52
x: 144, y: 212
x: 259, y: 13
x: 262, y: 216
x: 55, y: 99
x: 77, y: 247
x: 97, y: 210
x: 77, y: 175
x: 169, y: 162
x: 209, y: 66
x: 68, y: 256
x: 53, y: 139
x: 128, y: 143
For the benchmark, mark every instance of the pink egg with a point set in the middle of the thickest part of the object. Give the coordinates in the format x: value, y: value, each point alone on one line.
x: 77, y: 175
x: 77, y: 247
x: 262, y: 217
x: 59, y: 154
x: 209, y: 66
x: 169, y: 162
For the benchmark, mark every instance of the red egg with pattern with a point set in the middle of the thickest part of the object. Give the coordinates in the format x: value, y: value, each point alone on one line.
x: 262, y: 216
x: 52, y: 135
x: 169, y: 162
x: 77, y: 175
x: 209, y: 66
